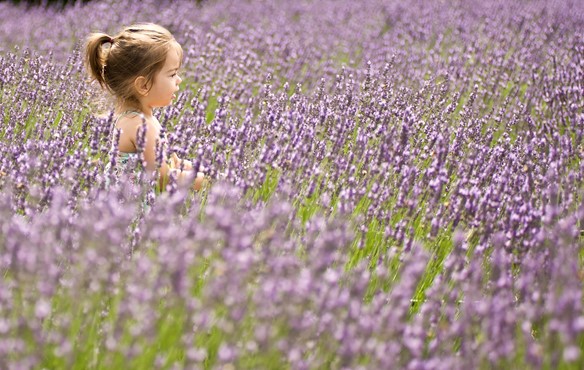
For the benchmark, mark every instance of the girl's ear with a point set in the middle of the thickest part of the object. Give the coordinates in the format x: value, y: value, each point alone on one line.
x: 141, y: 85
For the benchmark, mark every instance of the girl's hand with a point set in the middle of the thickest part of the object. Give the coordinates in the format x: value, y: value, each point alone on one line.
x: 184, y: 177
x: 188, y: 165
x: 176, y: 162
x: 200, y: 181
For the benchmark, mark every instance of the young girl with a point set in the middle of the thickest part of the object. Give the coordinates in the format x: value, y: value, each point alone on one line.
x: 139, y: 66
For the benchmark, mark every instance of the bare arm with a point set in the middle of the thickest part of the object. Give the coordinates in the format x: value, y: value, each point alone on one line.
x: 152, y: 137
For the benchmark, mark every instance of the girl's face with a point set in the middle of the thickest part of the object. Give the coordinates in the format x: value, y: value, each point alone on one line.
x: 166, y: 82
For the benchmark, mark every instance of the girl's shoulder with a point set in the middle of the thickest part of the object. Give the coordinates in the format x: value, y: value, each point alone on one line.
x: 130, y: 121
x: 129, y: 116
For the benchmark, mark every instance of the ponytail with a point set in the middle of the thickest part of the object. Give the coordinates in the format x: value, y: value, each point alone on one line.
x: 96, y: 57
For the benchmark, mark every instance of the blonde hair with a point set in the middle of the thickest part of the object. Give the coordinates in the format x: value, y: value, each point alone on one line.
x: 138, y: 50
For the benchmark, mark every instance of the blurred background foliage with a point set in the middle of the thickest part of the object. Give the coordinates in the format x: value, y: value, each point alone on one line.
x: 60, y: 3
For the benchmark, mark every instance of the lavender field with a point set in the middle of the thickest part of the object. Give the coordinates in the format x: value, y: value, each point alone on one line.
x: 391, y: 186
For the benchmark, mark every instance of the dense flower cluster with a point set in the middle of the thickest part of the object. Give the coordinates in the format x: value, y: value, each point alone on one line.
x: 391, y: 187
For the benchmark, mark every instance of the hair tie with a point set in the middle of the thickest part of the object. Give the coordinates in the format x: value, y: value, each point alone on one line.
x: 109, y: 40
